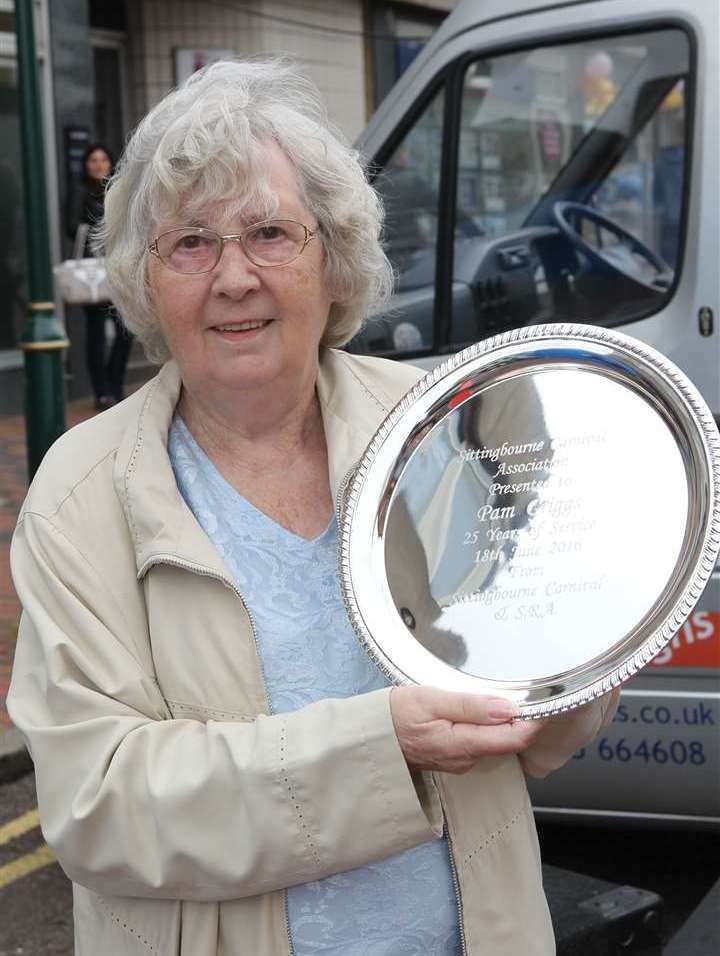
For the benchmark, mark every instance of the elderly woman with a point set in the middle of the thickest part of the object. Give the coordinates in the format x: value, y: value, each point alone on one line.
x: 220, y: 769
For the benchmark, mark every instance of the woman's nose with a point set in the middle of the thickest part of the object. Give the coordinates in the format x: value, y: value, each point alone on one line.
x: 235, y: 274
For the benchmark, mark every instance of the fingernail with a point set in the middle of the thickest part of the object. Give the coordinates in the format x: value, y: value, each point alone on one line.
x: 501, y: 709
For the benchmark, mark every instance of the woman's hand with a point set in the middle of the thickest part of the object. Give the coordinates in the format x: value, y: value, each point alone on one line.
x: 444, y: 730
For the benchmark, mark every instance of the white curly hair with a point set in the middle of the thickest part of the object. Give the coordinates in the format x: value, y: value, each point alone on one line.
x: 205, y: 143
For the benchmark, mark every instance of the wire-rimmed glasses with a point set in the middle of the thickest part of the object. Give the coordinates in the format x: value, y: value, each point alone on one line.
x: 192, y: 250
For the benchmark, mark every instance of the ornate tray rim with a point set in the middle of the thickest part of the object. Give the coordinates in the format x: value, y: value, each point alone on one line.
x: 704, y: 560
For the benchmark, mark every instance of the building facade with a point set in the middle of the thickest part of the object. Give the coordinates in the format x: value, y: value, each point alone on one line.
x: 104, y: 65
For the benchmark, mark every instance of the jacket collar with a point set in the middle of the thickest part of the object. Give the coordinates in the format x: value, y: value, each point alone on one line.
x: 163, y: 528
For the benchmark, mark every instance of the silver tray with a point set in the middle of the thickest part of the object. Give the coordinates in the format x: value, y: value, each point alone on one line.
x: 535, y: 519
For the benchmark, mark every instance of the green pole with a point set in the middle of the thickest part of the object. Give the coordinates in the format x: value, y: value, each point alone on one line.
x: 43, y: 338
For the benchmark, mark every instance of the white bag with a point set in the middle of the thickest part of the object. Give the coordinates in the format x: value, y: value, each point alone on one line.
x: 82, y: 281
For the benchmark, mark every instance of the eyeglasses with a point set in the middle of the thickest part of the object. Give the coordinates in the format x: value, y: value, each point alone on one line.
x: 192, y: 250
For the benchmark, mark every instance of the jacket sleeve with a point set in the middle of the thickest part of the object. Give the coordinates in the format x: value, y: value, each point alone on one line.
x: 566, y: 733
x: 137, y: 803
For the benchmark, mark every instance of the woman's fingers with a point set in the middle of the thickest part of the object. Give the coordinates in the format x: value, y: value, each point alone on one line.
x: 441, y: 730
x: 483, y: 741
x: 474, y: 708
x: 430, y: 703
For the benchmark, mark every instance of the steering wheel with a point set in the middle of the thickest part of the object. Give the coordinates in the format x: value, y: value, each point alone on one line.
x: 619, y: 259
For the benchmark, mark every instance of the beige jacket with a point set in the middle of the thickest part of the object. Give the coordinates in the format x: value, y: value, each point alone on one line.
x: 178, y: 806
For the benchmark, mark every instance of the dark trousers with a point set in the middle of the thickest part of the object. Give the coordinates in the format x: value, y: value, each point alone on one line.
x: 107, y: 375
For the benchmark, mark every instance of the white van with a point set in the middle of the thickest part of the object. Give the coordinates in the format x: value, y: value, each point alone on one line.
x: 558, y: 161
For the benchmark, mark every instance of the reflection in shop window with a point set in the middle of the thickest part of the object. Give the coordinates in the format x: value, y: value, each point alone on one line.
x: 601, y: 124
x: 644, y: 192
x: 523, y: 115
x: 409, y: 185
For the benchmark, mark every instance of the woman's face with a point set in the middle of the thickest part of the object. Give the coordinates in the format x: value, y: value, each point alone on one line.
x: 98, y: 165
x: 244, y: 326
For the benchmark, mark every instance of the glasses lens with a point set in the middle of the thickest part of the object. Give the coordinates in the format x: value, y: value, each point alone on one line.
x: 189, y: 250
x: 274, y: 242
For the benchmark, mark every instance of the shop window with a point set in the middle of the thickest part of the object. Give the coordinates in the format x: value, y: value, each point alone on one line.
x: 398, y: 33
x: 107, y: 16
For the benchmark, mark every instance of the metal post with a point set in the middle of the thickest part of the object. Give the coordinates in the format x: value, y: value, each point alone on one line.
x: 43, y: 338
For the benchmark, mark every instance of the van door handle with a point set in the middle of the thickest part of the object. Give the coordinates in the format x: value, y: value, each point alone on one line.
x: 705, y: 320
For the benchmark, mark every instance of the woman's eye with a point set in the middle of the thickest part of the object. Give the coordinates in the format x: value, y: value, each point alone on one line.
x: 189, y: 243
x: 269, y: 233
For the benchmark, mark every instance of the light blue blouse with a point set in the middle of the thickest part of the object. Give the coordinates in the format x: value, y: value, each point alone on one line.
x: 404, y: 905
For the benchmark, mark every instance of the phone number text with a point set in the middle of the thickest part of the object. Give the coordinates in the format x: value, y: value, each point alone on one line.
x: 660, y: 751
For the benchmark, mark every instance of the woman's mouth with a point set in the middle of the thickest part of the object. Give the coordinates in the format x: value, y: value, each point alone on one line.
x: 236, y: 330
x: 242, y: 326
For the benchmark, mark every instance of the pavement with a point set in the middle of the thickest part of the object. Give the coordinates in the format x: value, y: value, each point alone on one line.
x: 14, y: 759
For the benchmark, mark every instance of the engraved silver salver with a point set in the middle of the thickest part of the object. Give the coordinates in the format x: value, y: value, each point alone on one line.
x: 535, y: 519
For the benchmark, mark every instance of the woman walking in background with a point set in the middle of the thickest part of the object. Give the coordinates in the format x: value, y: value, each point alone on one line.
x: 107, y: 374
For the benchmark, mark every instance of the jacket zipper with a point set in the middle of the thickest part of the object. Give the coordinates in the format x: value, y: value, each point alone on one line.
x: 207, y: 573
x: 342, y: 487
x: 456, y: 884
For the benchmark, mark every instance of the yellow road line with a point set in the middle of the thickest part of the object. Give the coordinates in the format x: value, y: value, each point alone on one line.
x: 43, y: 856
x: 18, y: 826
